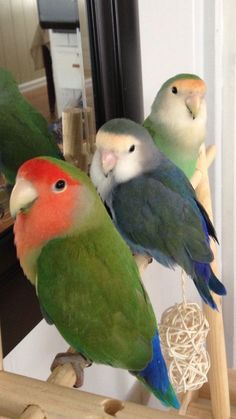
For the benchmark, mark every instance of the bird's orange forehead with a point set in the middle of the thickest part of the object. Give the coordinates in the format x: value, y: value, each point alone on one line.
x: 111, y: 141
x: 190, y: 84
x: 40, y: 168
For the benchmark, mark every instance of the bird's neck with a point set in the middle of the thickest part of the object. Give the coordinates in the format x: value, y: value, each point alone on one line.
x: 180, y: 143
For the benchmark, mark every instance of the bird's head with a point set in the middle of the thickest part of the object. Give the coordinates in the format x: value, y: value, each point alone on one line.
x: 182, y: 96
x: 124, y: 150
x: 50, y: 199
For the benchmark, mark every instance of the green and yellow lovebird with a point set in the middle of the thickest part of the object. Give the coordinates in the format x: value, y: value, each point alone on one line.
x: 177, y: 122
x: 85, y: 276
x: 24, y: 131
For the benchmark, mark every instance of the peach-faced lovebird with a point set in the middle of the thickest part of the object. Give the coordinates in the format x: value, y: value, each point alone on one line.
x: 24, y: 131
x: 153, y: 203
x: 177, y: 122
x: 85, y: 276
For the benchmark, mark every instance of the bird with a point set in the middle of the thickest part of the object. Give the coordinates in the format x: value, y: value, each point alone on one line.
x: 178, y: 118
x: 85, y: 276
x: 153, y: 203
x: 24, y: 132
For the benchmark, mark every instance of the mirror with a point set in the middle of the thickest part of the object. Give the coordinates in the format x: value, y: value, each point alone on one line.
x: 51, y: 65
x: 100, y: 59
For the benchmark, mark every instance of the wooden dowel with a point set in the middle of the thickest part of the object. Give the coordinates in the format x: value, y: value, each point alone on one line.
x: 56, y: 402
x: 218, y: 377
x: 210, y: 156
x: 63, y: 375
x: 33, y: 412
x: 76, y: 137
x: 204, y: 392
x: 72, y: 128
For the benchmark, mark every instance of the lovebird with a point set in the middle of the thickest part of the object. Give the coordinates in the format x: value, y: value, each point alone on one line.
x: 153, y: 203
x: 177, y: 122
x: 85, y: 276
x: 24, y: 131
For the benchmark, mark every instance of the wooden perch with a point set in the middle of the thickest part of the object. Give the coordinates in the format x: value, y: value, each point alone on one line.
x: 218, y: 377
x: 198, y: 174
x: 17, y: 392
x: 78, y: 136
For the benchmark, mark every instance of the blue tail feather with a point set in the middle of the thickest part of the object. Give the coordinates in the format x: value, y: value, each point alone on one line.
x: 209, y: 228
x: 216, y: 286
x: 206, y: 281
x: 155, y: 377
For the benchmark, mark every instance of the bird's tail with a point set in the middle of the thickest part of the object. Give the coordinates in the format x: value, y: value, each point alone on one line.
x: 206, y: 281
x: 155, y: 377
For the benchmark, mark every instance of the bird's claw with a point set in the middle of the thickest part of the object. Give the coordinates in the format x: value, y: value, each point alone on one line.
x: 78, y: 362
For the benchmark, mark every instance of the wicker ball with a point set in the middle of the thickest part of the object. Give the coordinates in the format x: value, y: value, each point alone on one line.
x: 183, y: 330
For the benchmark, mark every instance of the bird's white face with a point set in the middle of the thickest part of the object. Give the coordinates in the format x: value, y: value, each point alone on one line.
x: 118, y: 159
x: 181, y: 108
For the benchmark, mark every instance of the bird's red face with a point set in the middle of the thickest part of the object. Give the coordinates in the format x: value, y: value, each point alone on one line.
x: 44, y: 201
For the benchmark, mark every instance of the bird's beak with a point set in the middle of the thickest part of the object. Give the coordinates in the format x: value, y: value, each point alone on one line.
x: 193, y: 103
x: 22, y: 197
x: 108, y: 159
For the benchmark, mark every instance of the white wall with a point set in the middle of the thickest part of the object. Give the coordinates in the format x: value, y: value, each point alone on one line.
x: 171, y: 43
x: 229, y: 175
x: 174, y: 39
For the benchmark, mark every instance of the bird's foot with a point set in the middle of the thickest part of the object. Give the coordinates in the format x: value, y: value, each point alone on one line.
x: 142, y: 261
x: 78, y: 362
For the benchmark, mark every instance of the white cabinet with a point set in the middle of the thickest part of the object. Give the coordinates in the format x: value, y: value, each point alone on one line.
x: 68, y: 72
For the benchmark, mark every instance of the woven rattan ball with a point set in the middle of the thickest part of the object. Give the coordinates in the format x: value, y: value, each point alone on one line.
x: 183, y: 330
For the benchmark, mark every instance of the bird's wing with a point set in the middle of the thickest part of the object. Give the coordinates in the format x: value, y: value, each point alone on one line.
x: 99, y: 308
x: 161, y: 220
x: 21, y: 140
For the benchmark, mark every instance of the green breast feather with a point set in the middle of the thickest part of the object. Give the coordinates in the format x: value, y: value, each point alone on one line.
x: 100, y: 308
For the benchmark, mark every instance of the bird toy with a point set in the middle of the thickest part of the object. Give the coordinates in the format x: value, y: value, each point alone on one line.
x: 183, y: 331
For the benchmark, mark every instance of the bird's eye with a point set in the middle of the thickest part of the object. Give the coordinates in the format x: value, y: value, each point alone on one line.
x: 174, y: 90
x: 60, y: 185
x: 132, y: 148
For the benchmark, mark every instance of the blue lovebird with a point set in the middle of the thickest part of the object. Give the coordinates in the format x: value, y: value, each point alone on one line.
x: 153, y: 203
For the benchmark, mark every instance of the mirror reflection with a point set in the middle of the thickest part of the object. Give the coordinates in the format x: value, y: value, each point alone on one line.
x: 45, y: 46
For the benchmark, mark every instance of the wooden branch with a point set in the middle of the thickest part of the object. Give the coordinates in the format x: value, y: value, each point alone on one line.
x: 218, y: 378
x: 17, y: 392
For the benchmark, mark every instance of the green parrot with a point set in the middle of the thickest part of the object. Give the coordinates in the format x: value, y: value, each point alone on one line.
x: 23, y: 130
x: 85, y: 276
x: 177, y: 122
